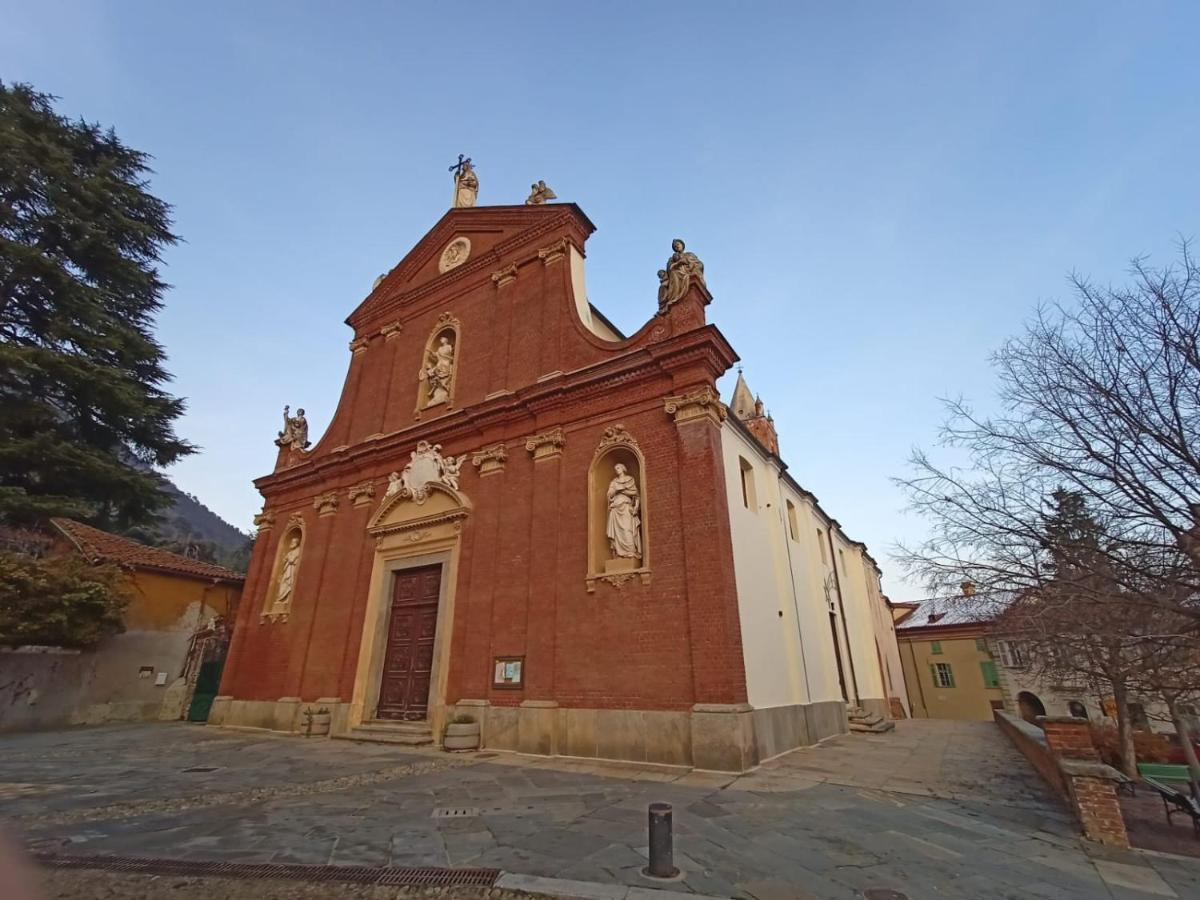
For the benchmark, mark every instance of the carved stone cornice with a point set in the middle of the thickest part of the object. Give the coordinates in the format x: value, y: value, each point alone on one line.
x: 554, y: 252
x: 699, y: 404
x: 264, y: 521
x: 361, y: 494
x: 358, y: 345
x: 326, y: 504
x: 391, y: 330
x: 490, y: 460
x: 507, y: 275
x: 547, y: 445
x: 616, y: 434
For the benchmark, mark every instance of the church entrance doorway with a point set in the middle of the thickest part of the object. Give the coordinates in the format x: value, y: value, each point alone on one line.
x: 408, y: 660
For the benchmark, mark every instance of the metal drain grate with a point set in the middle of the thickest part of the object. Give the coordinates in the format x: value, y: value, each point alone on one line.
x: 421, y: 876
x: 455, y: 812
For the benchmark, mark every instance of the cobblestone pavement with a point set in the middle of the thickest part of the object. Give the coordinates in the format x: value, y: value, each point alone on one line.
x: 934, y: 809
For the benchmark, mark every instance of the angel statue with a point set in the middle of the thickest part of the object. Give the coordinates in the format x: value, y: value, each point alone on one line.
x: 451, y: 467
x: 438, y: 371
x: 295, y: 431
x: 539, y: 194
x: 673, y: 281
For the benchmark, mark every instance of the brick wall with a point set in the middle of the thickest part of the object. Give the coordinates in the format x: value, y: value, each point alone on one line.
x: 1062, y: 752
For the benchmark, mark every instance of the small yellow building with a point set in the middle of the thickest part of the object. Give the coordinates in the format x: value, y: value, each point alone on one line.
x: 176, y: 632
x: 948, y: 667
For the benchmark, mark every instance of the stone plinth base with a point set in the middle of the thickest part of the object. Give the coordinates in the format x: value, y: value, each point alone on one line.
x: 718, y: 737
x: 285, y: 714
x: 621, y: 564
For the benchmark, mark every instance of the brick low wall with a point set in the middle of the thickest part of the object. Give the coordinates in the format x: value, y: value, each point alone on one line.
x: 1063, y: 754
x: 1031, y: 741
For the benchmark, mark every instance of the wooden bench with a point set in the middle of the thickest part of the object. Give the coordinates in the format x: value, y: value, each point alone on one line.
x: 1182, y: 803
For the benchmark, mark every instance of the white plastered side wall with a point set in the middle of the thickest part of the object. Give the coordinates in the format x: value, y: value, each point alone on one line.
x: 786, y: 642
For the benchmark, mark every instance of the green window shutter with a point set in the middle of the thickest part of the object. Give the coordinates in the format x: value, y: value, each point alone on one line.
x: 935, y: 647
x: 990, y: 678
x: 949, y: 674
x: 933, y: 674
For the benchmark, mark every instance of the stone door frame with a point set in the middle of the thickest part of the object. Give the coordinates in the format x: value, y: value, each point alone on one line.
x: 395, y: 553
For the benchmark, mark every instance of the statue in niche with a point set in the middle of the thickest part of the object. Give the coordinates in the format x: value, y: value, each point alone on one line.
x: 624, y: 523
x: 287, y: 572
x: 438, y: 372
x: 295, y: 431
x: 466, y: 183
x: 673, y: 281
x: 539, y: 194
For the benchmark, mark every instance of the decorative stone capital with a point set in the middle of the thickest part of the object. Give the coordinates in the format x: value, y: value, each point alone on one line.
x: 547, y: 445
x: 507, y: 275
x: 295, y: 520
x: 391, y: 330
x: 326, y: 504
x: 264, y: 521
x: 616, y: 434
x: 358, y: 345
x: 700, y: 404
x: 361, y: 494
x: 554, y: 252
x: 490, y: 460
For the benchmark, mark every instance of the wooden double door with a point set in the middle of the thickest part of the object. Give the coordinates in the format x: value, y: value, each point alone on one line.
x: 408, y: 659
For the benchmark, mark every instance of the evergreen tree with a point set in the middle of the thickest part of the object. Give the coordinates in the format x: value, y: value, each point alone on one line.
x: 82, y: 398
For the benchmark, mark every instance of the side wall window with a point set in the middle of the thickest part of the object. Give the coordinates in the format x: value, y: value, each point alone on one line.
x: 749, y: 500
x: 793, y: 525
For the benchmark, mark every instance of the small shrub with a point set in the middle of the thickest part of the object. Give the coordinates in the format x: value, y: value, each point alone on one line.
x: 1148, y: 746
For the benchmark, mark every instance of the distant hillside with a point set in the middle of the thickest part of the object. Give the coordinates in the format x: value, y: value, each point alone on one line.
x: 190, y: 528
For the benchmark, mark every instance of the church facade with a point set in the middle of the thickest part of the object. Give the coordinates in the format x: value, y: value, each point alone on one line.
x: 520, y: 514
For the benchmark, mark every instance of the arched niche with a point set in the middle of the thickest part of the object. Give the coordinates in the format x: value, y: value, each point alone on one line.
x: 285, y: 571
x: 619, y: 469
x: 438, y: 374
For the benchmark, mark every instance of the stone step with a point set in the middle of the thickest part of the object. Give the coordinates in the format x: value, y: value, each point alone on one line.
x: 409, y: 734
x: 878, y: 727
x: 867, y: 718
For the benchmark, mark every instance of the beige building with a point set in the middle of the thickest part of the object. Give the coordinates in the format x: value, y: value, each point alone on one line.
x: 948, y: 664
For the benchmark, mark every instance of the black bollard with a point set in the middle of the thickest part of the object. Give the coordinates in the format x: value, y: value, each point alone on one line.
x: 662, y: 851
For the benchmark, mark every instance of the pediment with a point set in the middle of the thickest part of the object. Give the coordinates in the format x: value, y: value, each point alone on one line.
x: 492, y: 232
x: 401, y: 511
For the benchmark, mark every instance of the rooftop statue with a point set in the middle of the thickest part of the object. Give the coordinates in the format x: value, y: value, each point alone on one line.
x: 295, y: 431
x: 466, y: 183
x: 539, y: 194
x: 673, y: 281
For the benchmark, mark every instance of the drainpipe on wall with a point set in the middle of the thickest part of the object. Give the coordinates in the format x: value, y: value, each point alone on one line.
x: 837, y: 582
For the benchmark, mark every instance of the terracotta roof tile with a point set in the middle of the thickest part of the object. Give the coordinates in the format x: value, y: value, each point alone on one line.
x: 100, y: 545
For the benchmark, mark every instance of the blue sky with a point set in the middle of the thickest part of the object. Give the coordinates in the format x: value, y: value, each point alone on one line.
x: 880, y: 192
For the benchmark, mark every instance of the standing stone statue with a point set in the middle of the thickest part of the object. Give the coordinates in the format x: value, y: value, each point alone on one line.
x: 287, y: 572
x: 539, y: 194
x: 466, y: 183
x: 439, y: 372
x: 624, y: 524
x: 295, y: 431
x: 673, y: 281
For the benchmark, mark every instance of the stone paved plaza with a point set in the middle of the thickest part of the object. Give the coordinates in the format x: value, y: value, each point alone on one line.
x: 935, y: 809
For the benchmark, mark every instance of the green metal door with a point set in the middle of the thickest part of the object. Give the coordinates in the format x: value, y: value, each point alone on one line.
x: 208, y: 682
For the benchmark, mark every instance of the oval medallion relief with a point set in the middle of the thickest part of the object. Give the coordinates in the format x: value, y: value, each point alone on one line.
x: 455, y: 254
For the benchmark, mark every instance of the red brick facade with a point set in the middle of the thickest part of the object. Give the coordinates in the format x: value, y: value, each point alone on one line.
x: 525, y: 364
